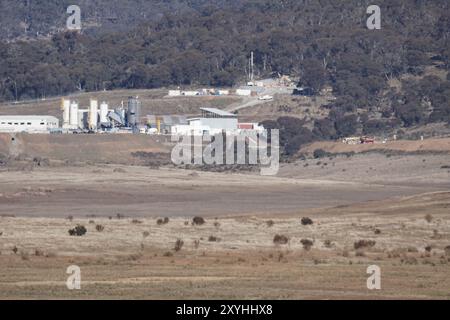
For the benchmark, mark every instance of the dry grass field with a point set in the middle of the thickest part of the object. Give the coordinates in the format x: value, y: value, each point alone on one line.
x: 236, y: 257
x: 389, y: 208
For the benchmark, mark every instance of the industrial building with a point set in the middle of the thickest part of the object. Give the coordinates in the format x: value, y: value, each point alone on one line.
x: 29, y: 124
x: 212, y: 121
x: 96, y: 118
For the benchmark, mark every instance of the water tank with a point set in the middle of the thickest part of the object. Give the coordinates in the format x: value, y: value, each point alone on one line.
x: 66, y: 112
x: 74, y: 115
x: 104, y: 112
x: 93, y: 115
x: 133, y: 114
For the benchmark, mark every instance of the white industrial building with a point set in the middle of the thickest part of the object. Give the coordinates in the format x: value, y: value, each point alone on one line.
x: 213, y: 121
x: 29, y: 124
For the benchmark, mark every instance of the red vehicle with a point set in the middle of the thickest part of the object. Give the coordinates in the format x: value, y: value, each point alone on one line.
x: 367, y: 140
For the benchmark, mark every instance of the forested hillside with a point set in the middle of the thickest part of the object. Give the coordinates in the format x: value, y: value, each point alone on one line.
x: 148, y: 44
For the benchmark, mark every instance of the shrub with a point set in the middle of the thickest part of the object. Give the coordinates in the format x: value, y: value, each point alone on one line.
x: 136, y: 221
x: 307, y: 221
x: 198, y: 221
x: 178, y: 245
x: 447, y: 250
x: 217, y: 224
x: 307, y: 244
x: 328, y: 244
x: 15, y: 250
x: 196, y: 244
x: 38, y: 253
x: 377, y: 231
x: 213, y: 239
x: 99, y: 228
x: 78, y: 231
x: 429, y: 218
x: 70, y: 218
x: 168, y: 254
x: 364, y: 244
x: 270, y: 223
x: 280, y: 239
x: 145, y: 234
x: 161, y: 221
x: 320, y: 153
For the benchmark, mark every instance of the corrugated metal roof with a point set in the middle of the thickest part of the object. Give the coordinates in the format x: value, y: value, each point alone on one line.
x: 219, y: 112
x: 25, y: 117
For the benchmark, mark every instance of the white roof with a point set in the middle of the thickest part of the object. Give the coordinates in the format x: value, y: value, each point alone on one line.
x: 25, y: 117
x: 218, y: 112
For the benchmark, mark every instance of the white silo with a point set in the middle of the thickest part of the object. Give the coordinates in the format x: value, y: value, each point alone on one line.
x: 66, y: 112
x: 93, y: 115
x: 104, y: 112
x: 74, y: 115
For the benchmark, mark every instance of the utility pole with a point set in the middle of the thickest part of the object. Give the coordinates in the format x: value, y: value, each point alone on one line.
x: 252, y: 70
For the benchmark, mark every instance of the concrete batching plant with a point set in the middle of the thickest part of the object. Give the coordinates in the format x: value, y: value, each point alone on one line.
x: 95, y: 118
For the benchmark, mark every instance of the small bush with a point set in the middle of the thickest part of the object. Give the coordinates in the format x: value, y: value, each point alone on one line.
x: 38, y: 253
x: 136, y: 221
x: 196, y: 244
x: 161, y: 221
x: 320, y: 153
x: 99, y: 228
x: 168, y: 254
x: 213, y: 239
x: 429, y: 218
x: 377, y: 231
x: 307, y: 221
x: 447, y: 250
x: 198, y: 221
x: 145, y: 234
x: 78, y: 231
x: 15, y: 250
x: 364, y: 244
x: 178, y: 245
x: 70, y: 218
x: 328, y: 244
x: 270, y: 223
x: 280, y: 239
x: 307, y: 244
x: 217, y: 224
x: 91, y: 222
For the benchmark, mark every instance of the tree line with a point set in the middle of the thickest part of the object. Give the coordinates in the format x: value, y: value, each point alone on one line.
x: 208, y: 43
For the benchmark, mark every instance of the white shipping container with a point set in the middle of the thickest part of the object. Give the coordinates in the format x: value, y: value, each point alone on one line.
x: 243, y: 92
x: 174, y: 93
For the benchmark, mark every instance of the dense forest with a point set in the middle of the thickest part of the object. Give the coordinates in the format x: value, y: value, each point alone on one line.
x: 150, y: 44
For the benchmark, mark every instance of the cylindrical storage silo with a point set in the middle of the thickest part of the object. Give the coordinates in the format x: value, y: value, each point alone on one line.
x: 93, y: 115
x: 66, y: 113
x: 74, y: 115
x: 104, y: 112
x: 133, y: 113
